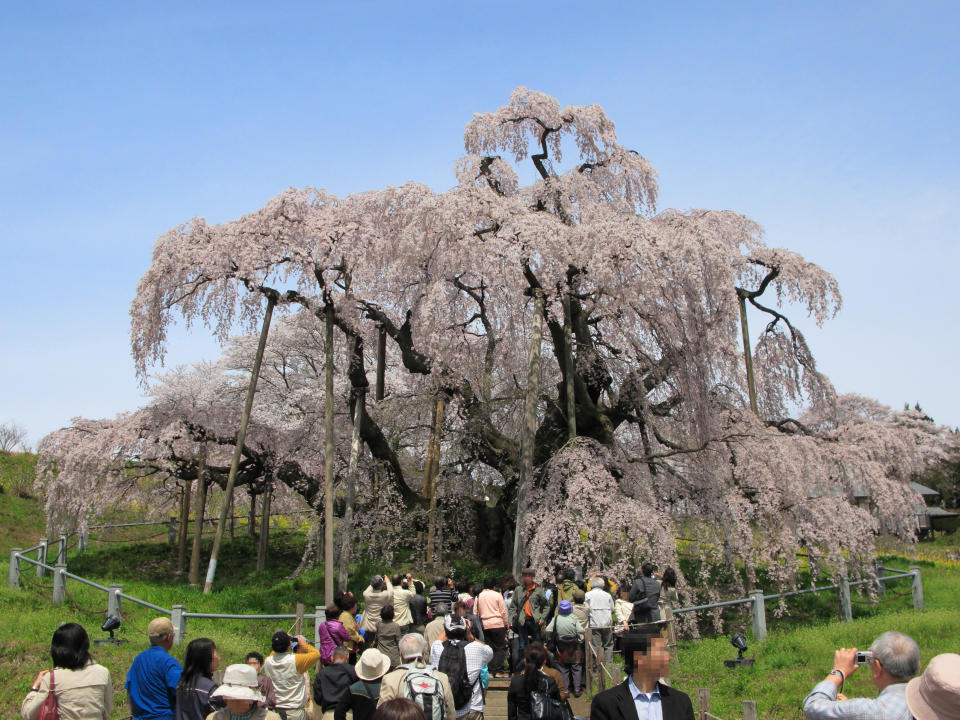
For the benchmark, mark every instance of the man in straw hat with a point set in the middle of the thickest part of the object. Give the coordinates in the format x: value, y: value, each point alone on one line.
x: 152, y: 678
x: 894, y: 659
x: 365, y: 692
x: 242, y: 696
x: 935, y: 695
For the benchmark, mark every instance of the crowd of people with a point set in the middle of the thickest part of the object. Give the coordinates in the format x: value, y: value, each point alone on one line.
x: 426, y: 652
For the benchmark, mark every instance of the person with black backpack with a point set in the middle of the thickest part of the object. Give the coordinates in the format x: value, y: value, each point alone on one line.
x: 415, y: 680
x: 462, y: 658
x: 645, y: 596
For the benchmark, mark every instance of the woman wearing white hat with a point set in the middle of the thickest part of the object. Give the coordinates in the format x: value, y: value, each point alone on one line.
x: 239, y: 690
x: 935, y: 695
x: 365, y: 692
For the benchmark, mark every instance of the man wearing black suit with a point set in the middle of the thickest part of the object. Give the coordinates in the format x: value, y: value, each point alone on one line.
x: 641, y: 696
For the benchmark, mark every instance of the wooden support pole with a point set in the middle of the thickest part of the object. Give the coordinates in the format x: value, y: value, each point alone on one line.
x: 528, y: 432
x: 264, y: 542
x: 703, y: 703
x: 252, y: 517
x: 843, y: 595
x: 747, y: 354
x: 346, y: 526
x: 198, y: 515
x: 238, y: 450
x: 750, y: 710
x: 430, y: 473
x: 184, y: 527
x: 570, y: 387
x: 328, y: 461
x: 381, y: 364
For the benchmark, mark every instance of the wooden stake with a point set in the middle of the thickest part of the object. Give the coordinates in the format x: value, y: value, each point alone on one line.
x: 346, y: 526
x: 264, y: 543
x: 198, y: 517
x: 747, y: 355
x: 238, y: 450
x: 430, y: 476
x: 184, y: 527
x: 568, y: 368
x: 328, y: 464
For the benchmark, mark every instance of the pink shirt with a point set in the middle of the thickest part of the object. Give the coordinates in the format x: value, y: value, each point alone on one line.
x: 491, y: 609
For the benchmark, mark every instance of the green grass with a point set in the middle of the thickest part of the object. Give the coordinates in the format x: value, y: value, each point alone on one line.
x: 22, y: 522
x: 788, y: 664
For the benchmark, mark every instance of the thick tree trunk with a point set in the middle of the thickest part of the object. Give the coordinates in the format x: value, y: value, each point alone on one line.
x: 328, y: 465
x: 184, y: 527
x: 198, y: 516
x: 346, y: 524
x: 528, y: 433
x: 264, y: 543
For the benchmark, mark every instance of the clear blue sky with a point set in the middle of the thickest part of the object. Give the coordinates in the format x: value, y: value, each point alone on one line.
x: 834, y: 125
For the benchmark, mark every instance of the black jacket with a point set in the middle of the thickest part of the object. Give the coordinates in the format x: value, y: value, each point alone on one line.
x: 645, y: 589
x: 617, y: 704
x: 332, y: 684
x: 418, y: 609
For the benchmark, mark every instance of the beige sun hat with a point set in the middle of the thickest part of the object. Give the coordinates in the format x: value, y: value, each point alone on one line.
x: 935, y: 695
x: 373, y: 665
x: 239, y: 683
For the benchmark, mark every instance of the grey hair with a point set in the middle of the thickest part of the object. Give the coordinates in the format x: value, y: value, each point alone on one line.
x: 899, y: 654
x: 411, y: 646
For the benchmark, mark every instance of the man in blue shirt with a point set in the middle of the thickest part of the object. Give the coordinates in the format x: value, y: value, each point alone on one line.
x: 153, y: 677
x: 894, y: 659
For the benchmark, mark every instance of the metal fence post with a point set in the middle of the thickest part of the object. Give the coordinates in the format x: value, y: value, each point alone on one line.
x: 42, y: 557
x: 82, y: 541
x: 758, y: 616
x: 59, y: 584
x: 843, y: 594
x: 13, y: 576
x: 878, y: 568
x: 113, y: 600
x: 317, y: 622
x: 179, y: 620
x: 172, y: 530
x: 62, y: 551
x: 917, y: 588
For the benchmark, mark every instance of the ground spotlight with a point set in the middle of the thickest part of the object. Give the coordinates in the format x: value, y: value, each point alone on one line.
x: 739, y: 641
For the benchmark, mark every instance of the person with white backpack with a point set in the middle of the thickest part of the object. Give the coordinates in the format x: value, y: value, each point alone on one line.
x: 416, y: 680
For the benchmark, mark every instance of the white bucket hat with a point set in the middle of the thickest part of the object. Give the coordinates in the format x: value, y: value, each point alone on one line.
x: 935, y: 695
x: 373, y: 665
x: 239, y: 683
